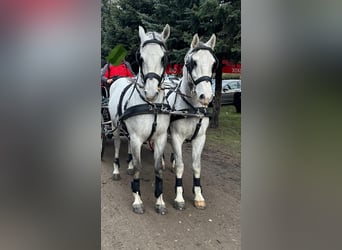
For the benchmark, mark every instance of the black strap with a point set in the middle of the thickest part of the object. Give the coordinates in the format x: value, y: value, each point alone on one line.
x: 198, y: 126
x: 154, y: 125
x: 121, y: 99
x: 141, y: 109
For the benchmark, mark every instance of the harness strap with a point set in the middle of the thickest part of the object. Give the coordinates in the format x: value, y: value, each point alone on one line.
x: 154, y: 125
x: 198, y: 126
x: 158, y: 108
x: 141, y: 109
x: 121, y: 99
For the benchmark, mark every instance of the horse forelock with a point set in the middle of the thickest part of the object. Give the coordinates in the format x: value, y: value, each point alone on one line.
x: 153, y: 36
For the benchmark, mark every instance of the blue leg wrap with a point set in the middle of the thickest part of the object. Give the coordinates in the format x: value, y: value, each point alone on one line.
x: 117, y: 161
x: 179, y: 183
x: 196, y: 183
x: 158, y: 187
x: 135, y: 185
x: 130, y: 157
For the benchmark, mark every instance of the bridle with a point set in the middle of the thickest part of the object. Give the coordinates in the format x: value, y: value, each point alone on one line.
x: 191, y: 64
x: 139, y: 59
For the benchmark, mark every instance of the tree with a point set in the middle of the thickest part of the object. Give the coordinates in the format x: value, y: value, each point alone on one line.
x: 223, y: 19
x: 120, y: 20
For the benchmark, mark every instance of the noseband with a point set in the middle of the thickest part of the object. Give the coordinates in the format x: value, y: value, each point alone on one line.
x: 190, y: 65
x: 151, y: 75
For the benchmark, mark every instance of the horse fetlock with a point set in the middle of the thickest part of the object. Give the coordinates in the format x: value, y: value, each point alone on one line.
x: 160, y: 206
x: 179, y: 202
x: 138, y: 206
x: 116, y: 172
x: 130, y: 168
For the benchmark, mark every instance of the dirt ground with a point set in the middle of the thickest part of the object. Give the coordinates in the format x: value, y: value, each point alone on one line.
x: 216, y: 227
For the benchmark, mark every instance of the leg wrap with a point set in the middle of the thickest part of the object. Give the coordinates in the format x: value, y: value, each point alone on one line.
x: 179, y: 183
x: 135, y: 185
x: 130, y: 157
x: 196, y: 183
x: 159, y: 187
x: 117, y: 161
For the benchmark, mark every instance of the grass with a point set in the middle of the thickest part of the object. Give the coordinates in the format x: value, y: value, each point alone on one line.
x: 227, y: 137
x: 227, y: 76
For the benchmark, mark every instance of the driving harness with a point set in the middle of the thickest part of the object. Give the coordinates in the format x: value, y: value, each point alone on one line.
x: 148, y: 107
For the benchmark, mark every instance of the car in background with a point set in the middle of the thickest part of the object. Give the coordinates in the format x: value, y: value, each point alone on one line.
x: 231, y: 93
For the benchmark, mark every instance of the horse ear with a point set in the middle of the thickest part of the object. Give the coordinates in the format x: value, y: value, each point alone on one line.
x: 212, y: 41
x: 195, y: 41
x: 166, y: 32
x: 142, y: 33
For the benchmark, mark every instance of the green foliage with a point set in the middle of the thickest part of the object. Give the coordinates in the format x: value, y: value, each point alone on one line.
x: 121, y: 18
x: 227, y: 76
x: 228, y: 136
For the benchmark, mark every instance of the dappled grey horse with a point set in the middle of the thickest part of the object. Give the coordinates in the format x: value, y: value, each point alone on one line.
x: 140, y: 108
x: 190, y: 117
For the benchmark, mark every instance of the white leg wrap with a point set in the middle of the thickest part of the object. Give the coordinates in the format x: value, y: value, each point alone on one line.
x: 116, y: 169
x: 137, y: 199
x: 130, y: 165
x: 179, y: 197
x: 198, y: 194
x: 160, y: 201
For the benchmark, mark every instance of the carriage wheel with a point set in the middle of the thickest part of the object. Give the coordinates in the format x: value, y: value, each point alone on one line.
x: 103, y: 144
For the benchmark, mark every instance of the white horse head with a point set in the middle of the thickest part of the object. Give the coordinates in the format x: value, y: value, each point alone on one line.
x: 200, y: 64
x: 152, y: 61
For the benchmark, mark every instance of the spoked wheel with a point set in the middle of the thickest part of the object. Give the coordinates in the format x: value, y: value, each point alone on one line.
x: 103, y: 141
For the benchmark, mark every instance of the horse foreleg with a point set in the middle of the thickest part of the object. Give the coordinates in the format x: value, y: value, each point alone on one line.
x: 116, y: 162
x: 138, y: 206
x: 179, y: 202
x: 130, y: 166
x: 197, y: 148
x: 159, y: 145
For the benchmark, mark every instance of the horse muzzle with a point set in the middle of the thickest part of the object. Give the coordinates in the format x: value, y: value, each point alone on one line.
x: 204, y: 100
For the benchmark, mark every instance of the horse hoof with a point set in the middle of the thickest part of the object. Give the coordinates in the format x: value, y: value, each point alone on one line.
x: 138, y: 209
x: 116, y: 177
x: 200, y: 204
x: 161, y: 209
x: 130, y: 171
x: 179, y: 205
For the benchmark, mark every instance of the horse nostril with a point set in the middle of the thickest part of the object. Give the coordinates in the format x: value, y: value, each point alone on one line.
x: 201, y: 96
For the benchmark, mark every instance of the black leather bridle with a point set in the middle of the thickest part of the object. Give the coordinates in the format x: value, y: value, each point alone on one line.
x: 151, y: 75
x: 191, y: 64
